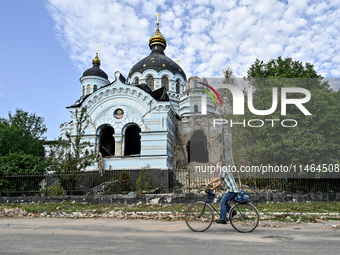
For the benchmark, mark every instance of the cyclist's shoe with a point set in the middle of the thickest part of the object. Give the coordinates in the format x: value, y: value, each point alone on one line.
x: 219, y: 221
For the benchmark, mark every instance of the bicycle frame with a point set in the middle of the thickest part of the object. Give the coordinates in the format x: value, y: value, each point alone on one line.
x: 205, y: 204
x: 218, y: 213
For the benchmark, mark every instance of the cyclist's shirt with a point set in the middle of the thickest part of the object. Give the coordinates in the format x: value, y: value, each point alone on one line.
x: 228, y: 182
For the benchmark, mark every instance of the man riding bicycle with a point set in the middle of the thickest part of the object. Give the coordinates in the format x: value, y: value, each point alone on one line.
x: 230, y: 191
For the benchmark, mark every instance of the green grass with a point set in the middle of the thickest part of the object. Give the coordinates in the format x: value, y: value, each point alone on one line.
x: 265, y: 208
x: 309, y: 207
x: 331, y: 218
x: 33, y: 209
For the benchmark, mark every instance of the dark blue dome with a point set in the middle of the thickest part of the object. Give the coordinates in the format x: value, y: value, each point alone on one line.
x: 95, y: 69
x: 157, y: 61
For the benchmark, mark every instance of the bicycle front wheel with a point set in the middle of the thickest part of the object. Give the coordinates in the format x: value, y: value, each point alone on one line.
x: 199, y: 217
x: 245, y: 219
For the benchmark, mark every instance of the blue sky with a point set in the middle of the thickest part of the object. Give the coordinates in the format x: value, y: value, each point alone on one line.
x: 46, y: 45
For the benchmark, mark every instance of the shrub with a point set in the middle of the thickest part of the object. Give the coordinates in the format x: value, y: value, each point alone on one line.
x: 125, y: 181
x: 57, y: 190
x: 144, y: 181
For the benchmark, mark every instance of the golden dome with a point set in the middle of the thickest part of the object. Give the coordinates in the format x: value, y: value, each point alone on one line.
x: 95, y: 69
x: 157, y: 38
x: 96, y: 59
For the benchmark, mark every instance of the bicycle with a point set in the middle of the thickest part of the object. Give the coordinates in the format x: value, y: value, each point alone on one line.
x: 199, y: 216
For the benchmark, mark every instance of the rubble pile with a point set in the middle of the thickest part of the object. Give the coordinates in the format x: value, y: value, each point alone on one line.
x: 17, y: 213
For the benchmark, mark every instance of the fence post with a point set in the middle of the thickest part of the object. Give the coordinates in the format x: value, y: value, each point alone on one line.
x: 141, y: 181
x: 46, y: 175
x: 189, y: 177
x: 167, y: 177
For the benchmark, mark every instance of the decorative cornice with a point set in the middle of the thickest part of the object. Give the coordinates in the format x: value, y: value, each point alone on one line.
x: 119, y: 126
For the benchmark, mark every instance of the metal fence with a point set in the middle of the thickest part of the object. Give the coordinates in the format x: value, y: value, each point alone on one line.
x: 145, y: 181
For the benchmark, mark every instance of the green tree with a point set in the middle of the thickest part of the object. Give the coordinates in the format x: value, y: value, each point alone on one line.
x: 70, y: 157
x: 282, y: 68
x: 14, y: 169
x: 144, y: 181
x: 22, y: 132
x: 20, y: 164
x: 315, y: 139
x: 21, y: 152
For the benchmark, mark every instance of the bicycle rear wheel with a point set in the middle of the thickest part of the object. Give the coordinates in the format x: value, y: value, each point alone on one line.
x: 199, y: 217
x: 246, y: 218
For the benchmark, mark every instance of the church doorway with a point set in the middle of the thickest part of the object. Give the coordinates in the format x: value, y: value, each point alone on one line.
x: 132, y: 140
x: 106, y: 141
x: 197, y: 148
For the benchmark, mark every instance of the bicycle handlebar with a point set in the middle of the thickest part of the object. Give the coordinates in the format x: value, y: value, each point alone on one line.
x: 210, y: 192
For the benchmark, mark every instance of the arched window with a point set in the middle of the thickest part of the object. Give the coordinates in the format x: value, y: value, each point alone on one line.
x: 197, y: 148
x: 178, y: 87
x: 88, y: 89
x: 195, y: 108
x: 136, y: 81
x: 150, y: 82
x: 106, y: 141
x: 83, y: 90
x: 165, y: 82
x: 94, y: 88
x: 132, y: 140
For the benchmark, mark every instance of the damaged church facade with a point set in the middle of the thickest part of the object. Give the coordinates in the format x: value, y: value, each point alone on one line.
x: 150, y: 119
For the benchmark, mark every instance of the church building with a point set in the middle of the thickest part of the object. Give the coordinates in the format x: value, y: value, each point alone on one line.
x: 142, y: 120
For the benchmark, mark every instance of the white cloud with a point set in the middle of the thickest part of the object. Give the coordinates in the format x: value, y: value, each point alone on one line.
x: 206, y: 36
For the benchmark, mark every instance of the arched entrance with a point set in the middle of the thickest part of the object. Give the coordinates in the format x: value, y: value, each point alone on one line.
x: 106, y: 141
x: 132, y: 140
x: 197, y: 148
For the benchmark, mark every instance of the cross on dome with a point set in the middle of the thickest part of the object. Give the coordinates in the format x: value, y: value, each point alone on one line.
x: 157, y: 38
x: 96, y: 59
x: 157, y: 15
